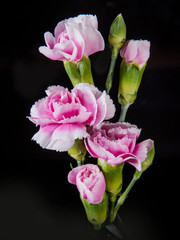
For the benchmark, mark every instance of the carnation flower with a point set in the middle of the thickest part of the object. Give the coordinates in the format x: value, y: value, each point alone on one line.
x: 116, y: 143
x: 63, y: 115
x: 73, y: 38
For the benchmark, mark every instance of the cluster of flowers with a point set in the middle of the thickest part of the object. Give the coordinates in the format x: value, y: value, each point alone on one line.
x: 74, y: 121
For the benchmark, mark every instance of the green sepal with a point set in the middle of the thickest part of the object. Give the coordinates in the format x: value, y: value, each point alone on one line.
x: 79, y: 72
x: 84, y: 67
x: 73, y: 72
x: 129, y: 82
x: 96, y: 213
x: 113, y: 176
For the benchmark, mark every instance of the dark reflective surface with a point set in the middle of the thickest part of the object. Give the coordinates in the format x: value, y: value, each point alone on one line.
x: 36, y: 201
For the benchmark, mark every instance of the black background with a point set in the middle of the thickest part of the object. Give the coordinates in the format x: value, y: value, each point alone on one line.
x: 36, y: 201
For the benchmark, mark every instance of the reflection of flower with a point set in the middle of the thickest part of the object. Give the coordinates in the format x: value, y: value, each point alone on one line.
x: 73, y: 38
x: 90, y: 182
x: 136, y: 52
x: 116, y: 143
x: 62, y: 115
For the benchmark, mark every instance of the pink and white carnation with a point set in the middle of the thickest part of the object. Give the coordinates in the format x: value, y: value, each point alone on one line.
x: 116, y: 143
x: 136, y: 51
x: 63, y: 115
x: 73, y: 38
x: 90, y: 182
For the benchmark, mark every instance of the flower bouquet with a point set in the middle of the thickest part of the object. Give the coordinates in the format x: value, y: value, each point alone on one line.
x: 76, y: 120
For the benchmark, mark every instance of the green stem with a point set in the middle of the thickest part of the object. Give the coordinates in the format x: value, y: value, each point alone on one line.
x: 113, y: 200
x: 124, y: 110
x: 109, y: 79
x: 79, y: 163
x: 123, y: 197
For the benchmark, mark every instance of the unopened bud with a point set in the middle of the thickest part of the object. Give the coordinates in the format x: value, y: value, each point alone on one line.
x: 78, y: 150
x: 117, y: 33
x: 135, y: 54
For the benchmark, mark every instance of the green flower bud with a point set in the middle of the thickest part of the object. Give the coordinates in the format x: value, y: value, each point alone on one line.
x: 117, y: 33
x: 146, y: 163
x: 78, y: 150
x: 96, y: 213
x: 113, y: 176
x: 79, y: 72
x: 130, y: 79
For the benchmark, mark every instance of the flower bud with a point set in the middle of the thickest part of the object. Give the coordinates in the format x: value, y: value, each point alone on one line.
x: 130, y: 79
x: 136, y: 51
x: 78, y: 150
x: 135, y: 54
x: 146, y: 163
x: 117, y: 33
x: 113, y: 176
x: 79, y: 72
x: 96, y: 213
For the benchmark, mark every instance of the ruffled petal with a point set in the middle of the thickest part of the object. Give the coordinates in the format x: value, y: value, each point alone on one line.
x: 67, y: 49
x: 98, y: 189
x: 96, y: 150
x: 40, y: 113
x: 90, y: 182
x: 88, y: 100
x: 73, y: 173
x: 76, y: 37
x: 49, y: 39
x: 41, y: 121
x: 117, y: 130
x: 71, y: 113
x: 110, y: 108
x: 86, y: 86
x: 142, y: 148
x: 46, y: 138
x: 43, y: 136
x: 60, y: 27
x: 143, y: 52
x: 129, y: 51
x: 86, y: 19
x: 130, y: 158
x: 54, y: 89
x: 93, y: 194
x: 101, y: 109
x: 116, y: 147
x: 53, y: 54
x: 70, y: 132
x: 60, y: 145
x: 93, y: 39
x: 59, y: 137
